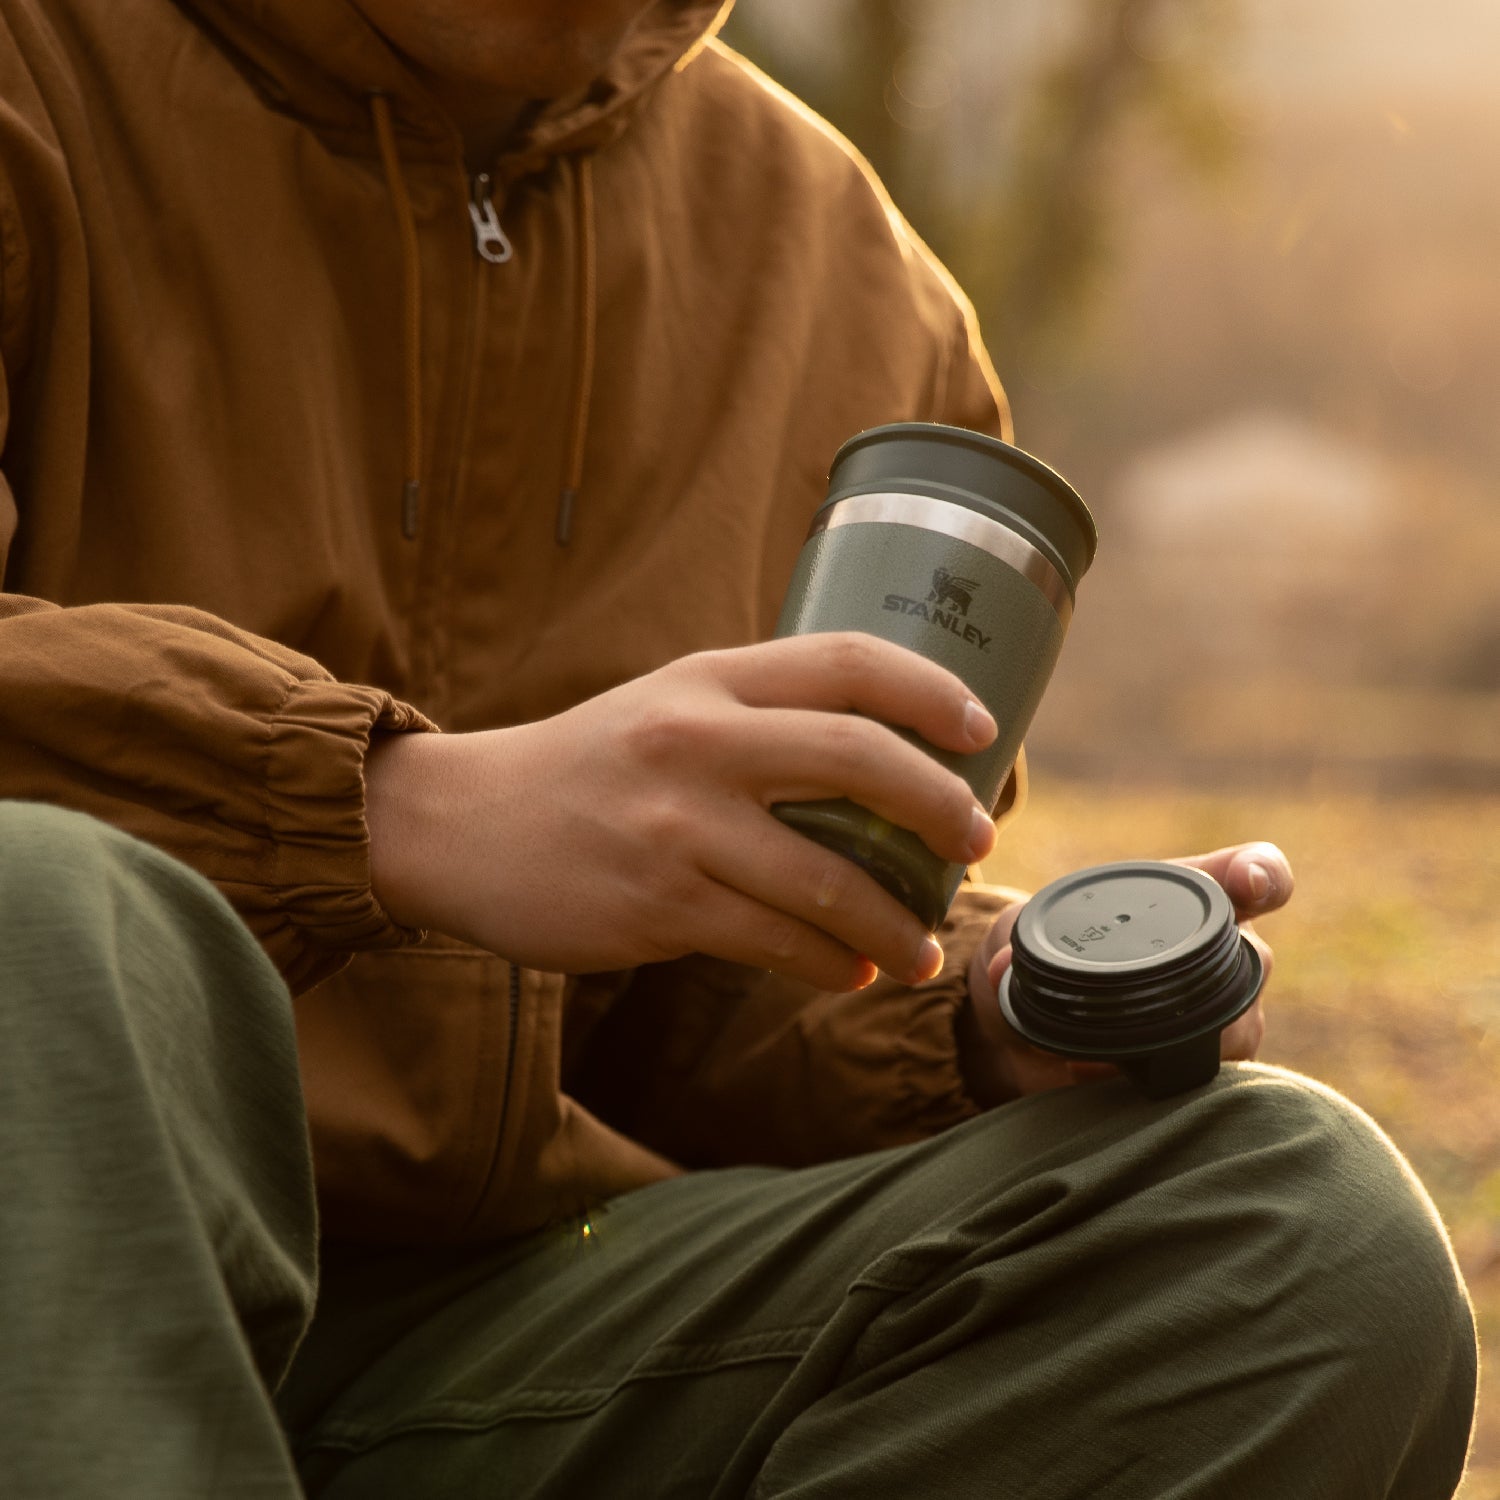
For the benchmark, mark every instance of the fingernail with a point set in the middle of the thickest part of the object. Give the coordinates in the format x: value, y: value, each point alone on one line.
x: 1259, y: 880
x: 929, y: 959
x: 979, y: 723
x: 981, y: 834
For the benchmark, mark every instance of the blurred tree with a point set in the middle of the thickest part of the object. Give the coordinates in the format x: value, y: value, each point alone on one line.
x: 845, y: 81
x: 1133, y: 60
x: 1031, y: 240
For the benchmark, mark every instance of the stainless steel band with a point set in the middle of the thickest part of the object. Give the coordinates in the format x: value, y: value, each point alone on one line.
x: 956, y: 521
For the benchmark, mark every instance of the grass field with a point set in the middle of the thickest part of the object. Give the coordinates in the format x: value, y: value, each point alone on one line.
x: 1387, y: 981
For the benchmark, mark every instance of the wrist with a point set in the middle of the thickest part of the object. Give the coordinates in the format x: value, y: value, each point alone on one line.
x: 399, y: 775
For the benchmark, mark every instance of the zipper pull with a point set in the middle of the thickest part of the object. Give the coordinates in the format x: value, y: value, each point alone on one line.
x: 489, y: 237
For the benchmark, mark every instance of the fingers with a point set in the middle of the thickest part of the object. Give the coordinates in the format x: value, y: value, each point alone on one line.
x: 1262, y: 947
x: 997, y: 939
x: 1257, y: 877
x: 779, y: 722
x: 811, y: 889
x: 848, y: 671
x: 984, y: 975
x: 738, y: 927
x: 1240, y: 1042
x: 997, y: 967
x: 1090, y: 1072
x: 794, y: 755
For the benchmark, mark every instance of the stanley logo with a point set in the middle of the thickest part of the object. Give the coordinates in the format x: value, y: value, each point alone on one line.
x: 946, y: 589
x: 946, y: 606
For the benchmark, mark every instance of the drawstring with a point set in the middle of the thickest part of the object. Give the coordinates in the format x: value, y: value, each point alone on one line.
x: 585, y: 333
x: 411, y: 297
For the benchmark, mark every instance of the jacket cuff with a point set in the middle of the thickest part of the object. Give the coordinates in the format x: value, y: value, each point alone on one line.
x: 315, y: 811
x: 931, y: 1094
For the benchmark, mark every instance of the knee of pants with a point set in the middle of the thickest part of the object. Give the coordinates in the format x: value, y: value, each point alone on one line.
x: 1258, y: 1243
x: 1291, y: 1140
x: 78, y: 896
x: 1332, y: 1213
x: 53, y: 859
x: 52, y: 855
x: 63, y: 878
x: 122, y: 969
x: 45, y: 823
x: 1264, y: 1206
x: 148, y: 1078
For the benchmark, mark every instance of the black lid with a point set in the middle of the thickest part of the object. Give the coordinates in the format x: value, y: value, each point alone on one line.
x: 1125, y: 958
x: 975, y: 470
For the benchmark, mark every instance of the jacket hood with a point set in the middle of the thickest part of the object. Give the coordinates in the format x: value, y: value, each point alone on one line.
x: 321, y: 60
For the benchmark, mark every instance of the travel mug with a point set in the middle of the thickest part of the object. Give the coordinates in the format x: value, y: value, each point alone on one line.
x: 1139, y: 963
x: 968, y: 551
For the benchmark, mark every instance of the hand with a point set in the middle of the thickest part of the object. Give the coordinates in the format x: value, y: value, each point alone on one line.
x: 1000, y: 1065
x: 636, y: 826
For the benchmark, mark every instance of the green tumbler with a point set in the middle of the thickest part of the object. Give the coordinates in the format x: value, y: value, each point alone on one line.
x: 967, y: 551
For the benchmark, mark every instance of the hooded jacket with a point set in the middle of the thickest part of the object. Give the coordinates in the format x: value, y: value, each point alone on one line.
x: 313, y: 431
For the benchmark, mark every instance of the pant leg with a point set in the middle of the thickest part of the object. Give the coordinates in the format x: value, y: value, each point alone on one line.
x: 1083, y: 1296
x: 156, y: 1210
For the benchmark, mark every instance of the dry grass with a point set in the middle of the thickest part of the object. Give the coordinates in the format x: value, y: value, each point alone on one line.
x: 1387, y: 977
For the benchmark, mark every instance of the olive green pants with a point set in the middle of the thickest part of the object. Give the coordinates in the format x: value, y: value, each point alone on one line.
x: 1242, y: 1292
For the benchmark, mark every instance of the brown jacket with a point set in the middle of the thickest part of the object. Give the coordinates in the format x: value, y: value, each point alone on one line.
x: 287, y: 463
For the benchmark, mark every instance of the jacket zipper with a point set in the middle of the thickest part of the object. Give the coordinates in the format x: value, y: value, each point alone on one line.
x: 510, y: 1058
x: 490, y: 239
x: 509, y: 1083
x: 492, y: 246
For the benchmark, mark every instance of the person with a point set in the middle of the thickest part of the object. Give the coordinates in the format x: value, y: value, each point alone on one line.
x: 379, y: 365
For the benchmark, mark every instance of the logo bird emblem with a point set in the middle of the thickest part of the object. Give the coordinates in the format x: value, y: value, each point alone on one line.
x: 949, y: 589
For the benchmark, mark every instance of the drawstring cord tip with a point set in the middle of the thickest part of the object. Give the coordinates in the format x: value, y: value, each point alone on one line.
x: 411, y: 298
x: 588, y: 307
x: 565, y: 516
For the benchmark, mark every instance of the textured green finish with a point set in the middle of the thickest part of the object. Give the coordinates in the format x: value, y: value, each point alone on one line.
x: 880, y: 578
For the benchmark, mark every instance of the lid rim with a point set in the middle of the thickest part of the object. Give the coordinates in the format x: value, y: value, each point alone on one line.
x: 1036, y: 946
x: 983, y: 444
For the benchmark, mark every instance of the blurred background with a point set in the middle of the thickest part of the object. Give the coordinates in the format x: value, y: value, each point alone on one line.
x: 1236, y: 262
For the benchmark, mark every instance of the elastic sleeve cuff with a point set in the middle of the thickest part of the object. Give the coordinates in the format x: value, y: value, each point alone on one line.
x: 315, y: 811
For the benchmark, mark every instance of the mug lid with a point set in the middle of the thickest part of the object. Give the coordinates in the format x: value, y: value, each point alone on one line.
x: 1112, y: 921
x: 1123, y: 958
